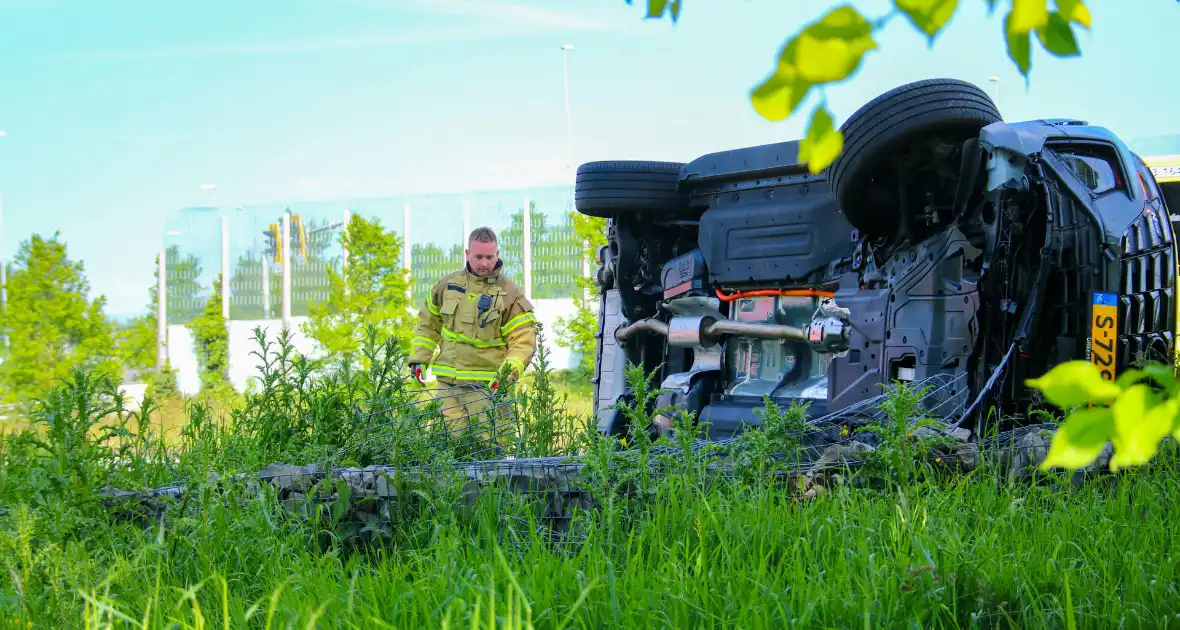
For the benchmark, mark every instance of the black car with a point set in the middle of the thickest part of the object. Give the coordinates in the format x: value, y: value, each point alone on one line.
x: 943, y: 243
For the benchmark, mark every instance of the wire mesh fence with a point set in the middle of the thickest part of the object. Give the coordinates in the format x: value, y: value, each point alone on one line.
x: 455, y: 446
x: 466, y: 421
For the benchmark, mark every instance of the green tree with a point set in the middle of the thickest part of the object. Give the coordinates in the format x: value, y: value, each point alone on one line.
x: 832, y: 48
x: 137, y: 343
x: 211, y: 345
x: 430, y: 263
x: 52, y: 325
x: 137, y: 340
x: 369, y: 290
x: 576, y: 333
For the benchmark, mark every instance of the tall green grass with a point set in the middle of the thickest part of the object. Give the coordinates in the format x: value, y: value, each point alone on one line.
x: 682, y: 549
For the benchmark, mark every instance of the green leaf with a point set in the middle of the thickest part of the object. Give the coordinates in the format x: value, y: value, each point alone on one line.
x: 1027, y: 16
x: 823, y: 142
x: 1162, y: 375
x: 1075, y: 383
x: 1139, y: 425
x: 779, y: 95
x: 1175, y: 430
x: 340, y: 505
x: 832, y: 48
x: 826, y: 51
x: 1074, y: 12
x: 657, y: 8
x: 1019, y: 47
x: 1080, y: 439
x: 929, y: 16
x: 1057, y: 37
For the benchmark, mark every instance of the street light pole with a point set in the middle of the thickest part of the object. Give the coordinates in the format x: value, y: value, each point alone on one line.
x: 569, y: 129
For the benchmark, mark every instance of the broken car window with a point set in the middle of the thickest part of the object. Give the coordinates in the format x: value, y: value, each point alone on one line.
x: 1092, y: 168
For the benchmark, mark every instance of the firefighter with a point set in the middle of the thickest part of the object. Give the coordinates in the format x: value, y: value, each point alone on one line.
x: 482, y: 326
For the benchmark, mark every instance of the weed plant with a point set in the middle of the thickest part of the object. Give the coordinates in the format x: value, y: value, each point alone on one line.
x: 683, y: 548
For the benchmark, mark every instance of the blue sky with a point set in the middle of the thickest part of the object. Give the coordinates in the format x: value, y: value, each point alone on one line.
x: 117, y: 110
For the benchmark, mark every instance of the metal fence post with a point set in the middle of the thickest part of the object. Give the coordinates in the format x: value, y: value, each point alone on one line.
x: 286, y: 270
x: 225, y: 267
x: 526, y: 247
x: 162, y: 310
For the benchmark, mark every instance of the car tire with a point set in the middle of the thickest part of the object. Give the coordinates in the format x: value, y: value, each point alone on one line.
x: 612, y: 189
x: 945, y: 108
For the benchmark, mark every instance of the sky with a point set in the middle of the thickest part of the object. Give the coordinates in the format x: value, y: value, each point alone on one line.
x: 117, y: 111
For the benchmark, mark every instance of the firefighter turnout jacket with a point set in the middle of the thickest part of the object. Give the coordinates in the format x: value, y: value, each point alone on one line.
x: 477, y: 325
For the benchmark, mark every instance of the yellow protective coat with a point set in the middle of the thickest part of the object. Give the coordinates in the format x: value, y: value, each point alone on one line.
x: 473, y: 346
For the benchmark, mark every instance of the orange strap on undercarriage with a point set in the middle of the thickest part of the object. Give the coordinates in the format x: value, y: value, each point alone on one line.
x: 729, y: 297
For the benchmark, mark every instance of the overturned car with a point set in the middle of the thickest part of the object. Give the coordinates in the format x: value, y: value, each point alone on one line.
x: 943, y: 242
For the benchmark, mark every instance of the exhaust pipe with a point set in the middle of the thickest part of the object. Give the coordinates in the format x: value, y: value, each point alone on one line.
x: 706, y: 331
x: 825, y: 334
x: 651, y: 325
x: 717, y: 330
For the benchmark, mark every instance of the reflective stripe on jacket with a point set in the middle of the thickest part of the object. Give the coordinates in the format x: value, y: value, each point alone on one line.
x: 474, y: 335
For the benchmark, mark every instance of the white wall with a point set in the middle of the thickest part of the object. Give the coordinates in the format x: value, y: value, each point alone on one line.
x: 243, y: 364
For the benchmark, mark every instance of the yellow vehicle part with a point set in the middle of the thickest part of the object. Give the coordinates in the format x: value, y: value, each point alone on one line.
x: 1166, y: 171
x: 1165, y: 168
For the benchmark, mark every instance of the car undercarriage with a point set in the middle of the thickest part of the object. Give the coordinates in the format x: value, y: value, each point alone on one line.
x: 942, y: 243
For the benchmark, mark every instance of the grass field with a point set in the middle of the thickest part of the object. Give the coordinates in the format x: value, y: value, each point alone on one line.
x: 979, y: 551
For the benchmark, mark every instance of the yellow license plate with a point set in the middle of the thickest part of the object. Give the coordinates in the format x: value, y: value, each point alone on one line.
x: 1104, y: 322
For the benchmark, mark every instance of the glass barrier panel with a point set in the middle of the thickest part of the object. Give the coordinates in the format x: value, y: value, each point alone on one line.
x: 436, y: 237
x: 501, y: 211
x: 556, y: 254
x: 192, y: 244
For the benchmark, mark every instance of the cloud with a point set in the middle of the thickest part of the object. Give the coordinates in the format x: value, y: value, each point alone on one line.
x: 337, y: 43
x: 482, y: 19
x: 515, y: 13
x: 330, y: 188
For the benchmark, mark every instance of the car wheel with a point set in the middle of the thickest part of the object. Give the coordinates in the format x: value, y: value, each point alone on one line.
x: 612, y: 189
x: 868, y: 179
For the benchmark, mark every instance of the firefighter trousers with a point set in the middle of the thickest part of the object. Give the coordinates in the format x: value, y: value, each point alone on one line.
x: 471, y: 415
